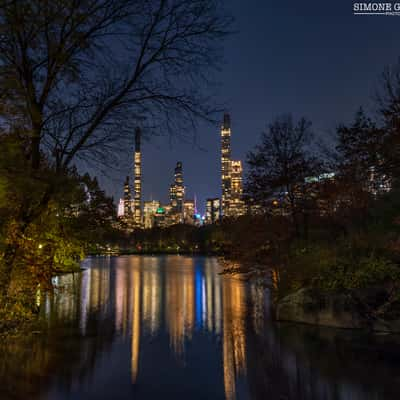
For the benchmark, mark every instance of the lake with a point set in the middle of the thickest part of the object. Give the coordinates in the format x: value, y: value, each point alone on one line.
x: 172, y: 327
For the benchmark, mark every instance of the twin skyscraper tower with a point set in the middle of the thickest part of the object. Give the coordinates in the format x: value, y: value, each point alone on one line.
x: 179, y: 209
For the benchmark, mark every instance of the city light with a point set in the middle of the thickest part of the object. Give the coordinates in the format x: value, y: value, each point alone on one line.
x: 179, y: 210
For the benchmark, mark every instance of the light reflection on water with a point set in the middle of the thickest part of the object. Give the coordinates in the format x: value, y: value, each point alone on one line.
x: 172, y: 327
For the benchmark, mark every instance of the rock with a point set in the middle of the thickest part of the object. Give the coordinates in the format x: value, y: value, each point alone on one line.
x: 390, y: 326
x: 329, y: 309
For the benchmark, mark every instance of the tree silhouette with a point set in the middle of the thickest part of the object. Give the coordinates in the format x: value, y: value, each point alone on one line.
x: 76, y: 78
x: 279, y: 166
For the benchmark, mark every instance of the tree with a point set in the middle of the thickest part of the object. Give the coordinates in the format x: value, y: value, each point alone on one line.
x: 93, y: 218
x: 361, y: 169
x: 388, y: 102
x: 360, y: 151
x: 84, y: 73
x: 76, y: 77
x: 280, y: 164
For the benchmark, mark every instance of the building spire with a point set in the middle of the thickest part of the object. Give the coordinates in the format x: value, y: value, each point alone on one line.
x: 138, y: 135
x: 227, y: 121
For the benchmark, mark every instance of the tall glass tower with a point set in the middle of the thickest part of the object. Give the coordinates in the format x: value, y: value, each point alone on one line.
x: 226, y: 178
x: 177, y: 190
x: 127, y: 199
x: 138, y: 180
x: 237, y: 207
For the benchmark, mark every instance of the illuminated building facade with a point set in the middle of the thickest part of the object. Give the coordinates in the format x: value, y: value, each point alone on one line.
x: 378, y: 183
x: 127, y: 200
x: 138, y: 180
x: 149, y: 210
x: 163, y: 216
x: 213, y: 211
x: 189, y: 211
x: 237, y: 206
x: 177, y: 193
x: 120, y: 212
x: 232, y: 204
x: 131, y: 211
x: 172, y: 196
x: 226, y: 164
x: 160, y: 217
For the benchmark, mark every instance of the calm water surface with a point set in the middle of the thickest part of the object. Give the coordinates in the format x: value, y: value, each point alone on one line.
x: 173, y: 328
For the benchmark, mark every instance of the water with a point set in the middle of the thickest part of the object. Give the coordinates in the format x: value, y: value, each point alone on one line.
x: 173, y: 328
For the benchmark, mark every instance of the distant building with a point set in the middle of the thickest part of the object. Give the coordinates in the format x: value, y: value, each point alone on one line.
x: 172, y: 196
x: 127, y: 200
x: 120, y: 211
x: 177, y: 193
x: 160, y: 217
x: 237, y: 206
x: 232, y: 204
x: 189, y: 211
x: 319, y: 178
x: 167, y: 208
x: 163, y: 216
x: 131, y: 211
x: 149, y: 210
x: 378, y: 183
x: 213, y: 211
x: 138, y: 181
x: 226, y: 164
x: 197, y: 220
x: 256, y: 209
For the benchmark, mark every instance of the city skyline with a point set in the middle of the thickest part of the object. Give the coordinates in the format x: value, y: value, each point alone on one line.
x: 177, y: 191
x: 283, y: 79
x: 180, y: 209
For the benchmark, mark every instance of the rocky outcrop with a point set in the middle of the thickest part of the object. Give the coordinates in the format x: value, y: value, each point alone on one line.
x: 340, y: 310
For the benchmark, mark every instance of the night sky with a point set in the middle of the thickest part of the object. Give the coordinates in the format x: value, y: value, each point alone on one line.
x: 310, y: 58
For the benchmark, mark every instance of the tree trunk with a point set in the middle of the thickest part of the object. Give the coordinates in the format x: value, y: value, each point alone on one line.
x: 7, y: 268
x: 8, y: 262
x: 35, y: 153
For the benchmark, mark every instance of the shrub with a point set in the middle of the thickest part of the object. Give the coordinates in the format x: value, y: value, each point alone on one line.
x: 358, y: 274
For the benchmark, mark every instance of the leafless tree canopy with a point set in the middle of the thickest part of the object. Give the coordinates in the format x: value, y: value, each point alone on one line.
x: 388, y: 101
x: 76, y: 76
x: 282, y: 158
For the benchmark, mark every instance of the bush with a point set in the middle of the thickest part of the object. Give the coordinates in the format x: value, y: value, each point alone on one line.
x: 366, y: 272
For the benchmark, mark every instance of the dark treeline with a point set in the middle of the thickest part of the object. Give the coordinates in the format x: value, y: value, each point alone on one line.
x: 320, y: 217
x: 331, y: 213
x: 228, y: 238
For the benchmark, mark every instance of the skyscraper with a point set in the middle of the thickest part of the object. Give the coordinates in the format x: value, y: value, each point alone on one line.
x: 226, y: 164
x: 189, y: 212
x: 127, y: 200
x: 232, y: 204
x: 177, y: 190
x: 213, y: 210
x: 236, y: 205
x: 138, y: 180
x: 121, y: 207
x: 149, y: 210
